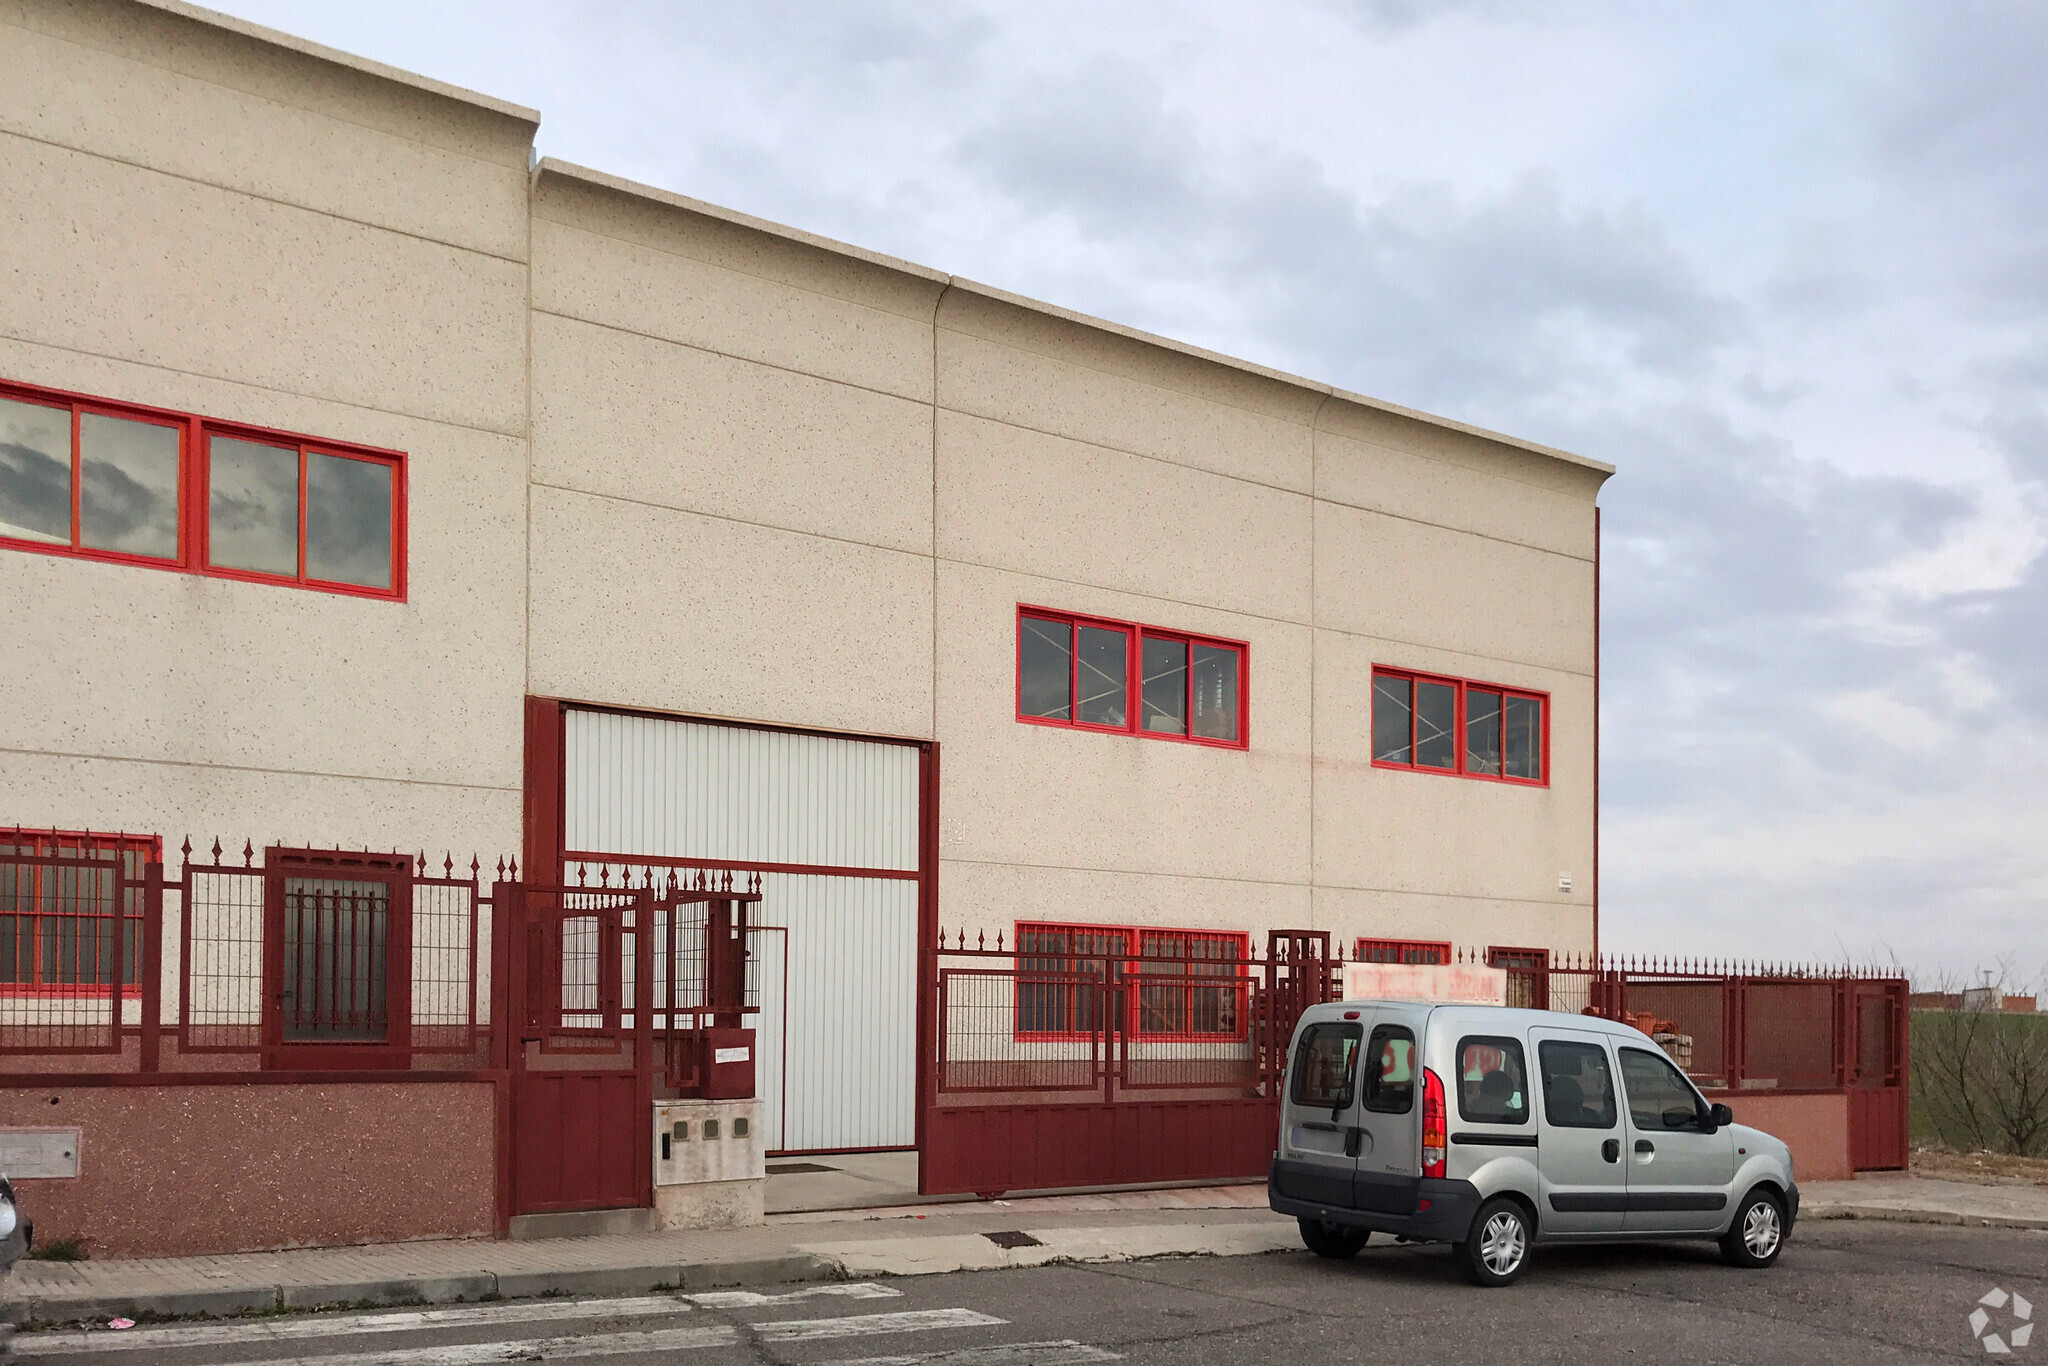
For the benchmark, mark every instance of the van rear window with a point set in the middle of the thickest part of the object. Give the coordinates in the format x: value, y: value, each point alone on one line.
x: 1326, y: 1065
x: 1390, y: 1071
x: 1493, y: 1081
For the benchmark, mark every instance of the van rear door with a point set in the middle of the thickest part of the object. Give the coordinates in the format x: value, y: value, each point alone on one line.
x: 1389, y: 1139
x: 1319, y: 1114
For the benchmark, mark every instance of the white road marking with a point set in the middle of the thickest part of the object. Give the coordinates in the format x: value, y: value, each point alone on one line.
x: 570, y: 1348
x: 1063, y: 1352
x: 528, y: 1349
x: 339, y: 1325
x: 751, y: 1299
x: 863, y: 1325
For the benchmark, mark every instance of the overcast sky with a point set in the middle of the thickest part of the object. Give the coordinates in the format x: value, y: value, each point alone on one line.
x: 1785, y: 265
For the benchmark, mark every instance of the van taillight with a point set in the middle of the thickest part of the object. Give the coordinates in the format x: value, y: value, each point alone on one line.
x: 1432, y: 1125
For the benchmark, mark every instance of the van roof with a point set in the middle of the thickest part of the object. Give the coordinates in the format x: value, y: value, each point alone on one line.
x: 1507, y: 1016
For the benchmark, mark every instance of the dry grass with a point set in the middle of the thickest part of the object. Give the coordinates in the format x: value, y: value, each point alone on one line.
x: 1989, y: 1169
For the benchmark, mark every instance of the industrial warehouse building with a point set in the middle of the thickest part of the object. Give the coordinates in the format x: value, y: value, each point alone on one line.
x: 364, y: 483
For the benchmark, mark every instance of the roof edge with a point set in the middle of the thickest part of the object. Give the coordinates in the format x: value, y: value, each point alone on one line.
x: 569, y: 170
x: 335, y: 56
x: 633, y: 188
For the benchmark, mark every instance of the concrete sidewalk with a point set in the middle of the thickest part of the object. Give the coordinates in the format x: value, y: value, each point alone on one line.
x: 1218, y: 1221
x: 902, y: 1241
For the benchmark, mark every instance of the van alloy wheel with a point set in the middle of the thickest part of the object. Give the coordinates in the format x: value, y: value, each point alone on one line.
x: 1756, y: 1235
x: 1503, y: 1244
x: 1761, y: 1230
x: 1496, y: 1250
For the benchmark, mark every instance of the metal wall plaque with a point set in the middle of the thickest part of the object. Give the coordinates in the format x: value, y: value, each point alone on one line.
x: 33, y: 1154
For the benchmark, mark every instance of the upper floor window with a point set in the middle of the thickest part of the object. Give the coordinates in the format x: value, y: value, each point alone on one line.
x: 1449, y: 725
x: 1113, y: 675
x: 80, y: 476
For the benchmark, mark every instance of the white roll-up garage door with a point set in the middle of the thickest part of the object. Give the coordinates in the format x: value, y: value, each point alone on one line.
x: 839, y: 817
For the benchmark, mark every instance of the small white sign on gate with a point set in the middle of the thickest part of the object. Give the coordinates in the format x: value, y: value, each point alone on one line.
x: 1464, y: 983
x: 38, y: 1154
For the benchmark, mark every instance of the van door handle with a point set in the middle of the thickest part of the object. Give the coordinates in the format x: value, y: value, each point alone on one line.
x: 1352, y: 1143
x: 1643, y: 1145
x: 1611, y: 1150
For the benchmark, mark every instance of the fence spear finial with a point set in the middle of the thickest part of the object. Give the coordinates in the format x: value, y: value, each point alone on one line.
x: 512, y: 867
x: 448, y: 863
x: 248, y: 854
x: 476, y: 867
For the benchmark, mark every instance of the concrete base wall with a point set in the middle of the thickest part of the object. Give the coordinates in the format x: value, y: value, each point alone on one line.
x: 177, y: 1170
x: 1815, y: 1126
x: 712, y: 1204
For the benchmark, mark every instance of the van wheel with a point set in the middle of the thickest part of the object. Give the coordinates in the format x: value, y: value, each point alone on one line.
x: 1757, y: 1233
x: 1496, y: 1251
x: 1333, y: 1240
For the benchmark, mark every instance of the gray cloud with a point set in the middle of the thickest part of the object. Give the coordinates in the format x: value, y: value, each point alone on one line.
x: 1784, y: 267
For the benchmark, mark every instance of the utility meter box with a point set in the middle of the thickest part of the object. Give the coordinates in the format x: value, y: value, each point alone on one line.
x: 728, y: 1064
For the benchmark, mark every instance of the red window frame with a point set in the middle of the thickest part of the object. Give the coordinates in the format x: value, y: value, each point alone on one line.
x: 1133, y: 957
x: 194, y: 443
x: 134, y: 851
x: 1460, y: 686
x: 1136, y: 634
x: 1413, y: 952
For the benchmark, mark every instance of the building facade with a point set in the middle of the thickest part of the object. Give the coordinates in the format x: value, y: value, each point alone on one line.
x: 364, y: 482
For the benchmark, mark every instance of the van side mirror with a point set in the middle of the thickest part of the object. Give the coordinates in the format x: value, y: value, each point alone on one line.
x: 1719, y: 1116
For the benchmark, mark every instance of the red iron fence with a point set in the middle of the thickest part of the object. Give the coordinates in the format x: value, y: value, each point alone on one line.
x: 1049, y: 1069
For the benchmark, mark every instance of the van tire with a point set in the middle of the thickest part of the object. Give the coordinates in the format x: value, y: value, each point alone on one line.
x: 1334, y: 1241
x: 1756, y: 1235
x: 1496, y: 1249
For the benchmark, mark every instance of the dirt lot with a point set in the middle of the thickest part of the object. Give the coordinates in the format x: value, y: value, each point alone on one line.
x: 1990, y: 1169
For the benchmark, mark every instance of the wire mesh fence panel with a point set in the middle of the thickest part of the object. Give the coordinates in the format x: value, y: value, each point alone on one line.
x: 221, y: 957
x: 1698, y: 1014
x: 450, y: 1005
x: 1001, y: 1031
x: 1789, y: 1035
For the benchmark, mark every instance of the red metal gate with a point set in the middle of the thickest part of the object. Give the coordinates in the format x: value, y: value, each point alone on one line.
x: 582, y: 1054
x: 1052, y: 1068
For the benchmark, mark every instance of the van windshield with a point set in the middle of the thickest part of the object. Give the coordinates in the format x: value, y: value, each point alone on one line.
x: 1326, y: 1065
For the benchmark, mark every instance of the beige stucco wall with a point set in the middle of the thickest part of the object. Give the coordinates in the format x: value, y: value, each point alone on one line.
x: 664, y: 456
x: 207, y: 221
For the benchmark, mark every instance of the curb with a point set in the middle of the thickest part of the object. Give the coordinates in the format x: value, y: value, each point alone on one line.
x: 1895, y: 1215
x: 44, y: 1310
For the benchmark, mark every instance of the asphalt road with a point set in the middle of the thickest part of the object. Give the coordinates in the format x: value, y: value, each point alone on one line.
x: 1865, y: 1293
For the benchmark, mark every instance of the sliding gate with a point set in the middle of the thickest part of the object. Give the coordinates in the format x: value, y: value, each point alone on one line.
x: 1061, y: 1068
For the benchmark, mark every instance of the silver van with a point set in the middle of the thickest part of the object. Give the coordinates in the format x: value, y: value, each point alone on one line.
x: 1492, y: 1129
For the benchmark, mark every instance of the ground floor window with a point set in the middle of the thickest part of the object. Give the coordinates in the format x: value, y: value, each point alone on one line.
x: 1189, y: 984
x: 71, y: 911
x: 1418, y: 952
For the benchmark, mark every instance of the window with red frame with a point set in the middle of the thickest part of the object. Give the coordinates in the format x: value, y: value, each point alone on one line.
x: 1190, y: 984
x: 1420, y: 952
x: 1528, y: 975
x: 1095, y: 674
x: 102, y: 480
x: 66, y: 929
x: 1450, y: 725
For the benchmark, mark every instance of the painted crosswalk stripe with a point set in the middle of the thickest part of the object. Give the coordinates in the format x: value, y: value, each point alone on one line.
x: 862, y: 1325
x: 528, y: 1349
x: 652, y: 1341
x: 754, y: 1299
x: 341, y: 1325
x: 1061, y: 1352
